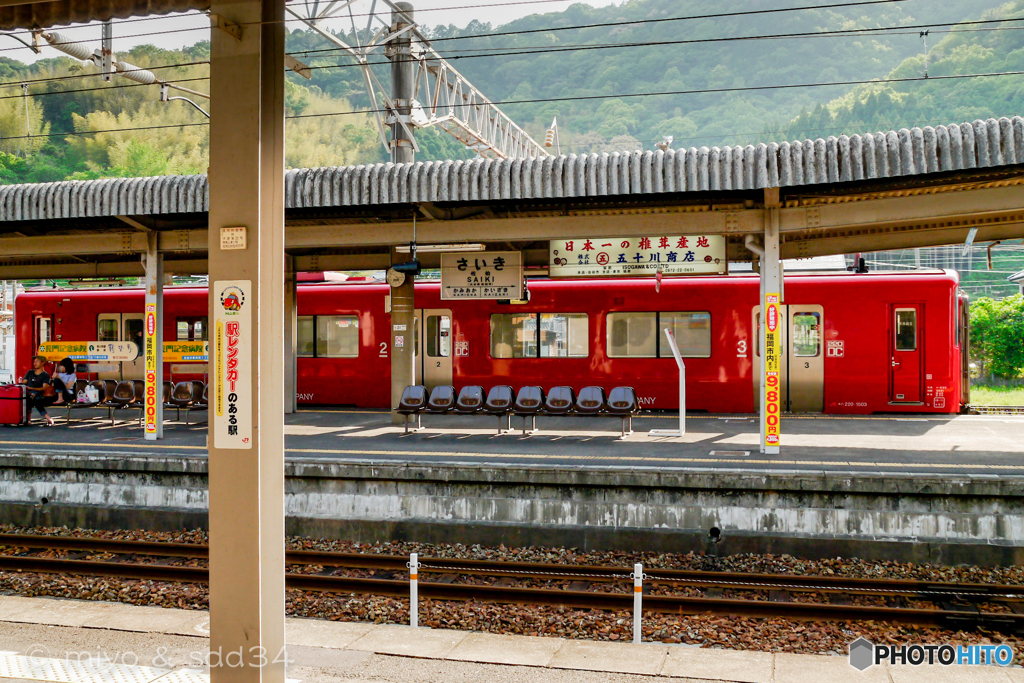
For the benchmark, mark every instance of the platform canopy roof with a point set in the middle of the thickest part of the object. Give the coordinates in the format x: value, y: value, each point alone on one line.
x: 28, y: 15
x: 893, y: 189
x: 1017, y: 277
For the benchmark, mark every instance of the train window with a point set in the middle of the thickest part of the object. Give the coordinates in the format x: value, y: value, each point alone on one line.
x: 564, y: 335
x: 439, y: 336
x: 191, y: 329
x: 514, y: 335
x: 133, y: 332
x: 692, y: 331
x: 107, y: 329
x: 906, y: 329
x: 337, y: 336
x: 632, y: 335
x: 306, y: 337
x: 806, y: 334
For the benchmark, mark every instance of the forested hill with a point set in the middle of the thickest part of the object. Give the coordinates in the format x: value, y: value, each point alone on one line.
x: 643, y: 58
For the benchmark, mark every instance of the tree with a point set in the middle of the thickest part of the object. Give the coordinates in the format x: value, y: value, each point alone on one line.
x: 997, y: 336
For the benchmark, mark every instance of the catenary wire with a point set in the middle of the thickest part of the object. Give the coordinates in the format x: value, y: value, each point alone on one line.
x: 572, y: 99
x: 661, y: 43
x: 98, y: 89
x: 749, y: 88
x: 69, y: 77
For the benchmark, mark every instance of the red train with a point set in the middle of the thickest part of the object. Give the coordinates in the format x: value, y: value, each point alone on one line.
x: 853, y: 342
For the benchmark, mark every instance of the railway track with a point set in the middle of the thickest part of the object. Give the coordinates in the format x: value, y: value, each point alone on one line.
x: 955, y: 605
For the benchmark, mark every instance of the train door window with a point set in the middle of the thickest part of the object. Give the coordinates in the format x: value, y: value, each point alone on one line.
x: 692, y: 332
x: 337, y: 336
x: 183, y: 330
x: 200, y: 330
x: 906, y: 329
x: 632, y: 335
x: 306, y: 337
x: 439, y: 336
x: 43, y: 331
x: 108, y: 327
x: 564, y: 335
x: 133, y: 332
x: 806, y: 341
x: 514, y: 335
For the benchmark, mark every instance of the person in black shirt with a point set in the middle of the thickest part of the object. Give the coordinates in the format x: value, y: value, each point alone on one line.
x: 37, y: 380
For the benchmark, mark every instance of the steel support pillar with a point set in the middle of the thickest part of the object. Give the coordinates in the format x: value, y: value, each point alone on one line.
x: 291, y: 326
x: 403, y: 338
x: 246, y: 266
x: 402, y: 82
x: 153, y: 336
x: 771, y: 327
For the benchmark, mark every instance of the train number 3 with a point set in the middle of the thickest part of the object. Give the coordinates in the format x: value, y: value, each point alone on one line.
x: 741, y: 348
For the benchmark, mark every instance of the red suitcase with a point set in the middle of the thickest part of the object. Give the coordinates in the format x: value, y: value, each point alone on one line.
x: 14, y: 404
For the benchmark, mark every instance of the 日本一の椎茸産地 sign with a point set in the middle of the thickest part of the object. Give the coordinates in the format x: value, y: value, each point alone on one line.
x: 636, y: 256
x: 482, y: 275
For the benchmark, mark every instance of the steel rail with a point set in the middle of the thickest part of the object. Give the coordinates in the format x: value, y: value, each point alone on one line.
x: 535, y: 570
x: 664, y: 604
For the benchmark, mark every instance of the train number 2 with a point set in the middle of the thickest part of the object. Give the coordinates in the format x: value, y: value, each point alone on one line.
x: 383, y: 350
x: 741, y: 348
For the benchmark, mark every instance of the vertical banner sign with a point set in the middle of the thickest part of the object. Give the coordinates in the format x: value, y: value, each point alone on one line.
x: 772, y: 349
x: 232, y: 352
x: 152, y: 383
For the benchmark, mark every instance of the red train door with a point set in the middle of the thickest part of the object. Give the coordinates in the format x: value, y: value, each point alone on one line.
x: 42, y: 331
x: 905, y: 353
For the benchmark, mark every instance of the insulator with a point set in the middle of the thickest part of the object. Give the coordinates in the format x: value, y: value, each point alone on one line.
x: 134, y: 73
x: 549, y: 138
x: 76, y: 49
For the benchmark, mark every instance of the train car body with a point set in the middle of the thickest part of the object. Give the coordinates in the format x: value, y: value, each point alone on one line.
x: 852, y: 343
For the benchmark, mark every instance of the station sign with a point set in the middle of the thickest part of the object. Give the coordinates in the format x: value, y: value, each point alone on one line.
x: 232, y: 360
x: 638, y: 256
x: 87, y: 351
x: 771, y: 387
x: 482, y: 275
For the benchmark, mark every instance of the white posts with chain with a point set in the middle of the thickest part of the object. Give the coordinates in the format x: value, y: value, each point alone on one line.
x: 414, y: 590
x: 638, y: 597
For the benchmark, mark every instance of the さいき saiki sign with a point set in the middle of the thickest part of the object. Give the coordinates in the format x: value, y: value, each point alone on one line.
x: 636, y: 256
x: 772, y: 394
x: 232, y: 360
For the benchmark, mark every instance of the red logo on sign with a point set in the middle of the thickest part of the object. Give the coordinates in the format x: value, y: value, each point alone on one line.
x: 151, y: 324
x: 602, y: 259
x: 773, y: 318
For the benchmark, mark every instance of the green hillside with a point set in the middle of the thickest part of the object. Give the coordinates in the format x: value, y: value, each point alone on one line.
x: 173, y: 145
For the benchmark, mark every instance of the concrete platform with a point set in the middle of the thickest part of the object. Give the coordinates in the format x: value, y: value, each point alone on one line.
x: 34, y: 646
x: 925, y: 444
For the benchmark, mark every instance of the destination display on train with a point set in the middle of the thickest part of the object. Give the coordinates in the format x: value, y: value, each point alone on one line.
x: 635, y: 256
x: 482, y: 275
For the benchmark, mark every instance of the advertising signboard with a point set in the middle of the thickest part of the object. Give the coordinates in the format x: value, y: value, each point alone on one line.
x: 638, y: 256
x: 232, y: 399
x: 86, y: 351
x: 772, y: 375
x: 153, y: 376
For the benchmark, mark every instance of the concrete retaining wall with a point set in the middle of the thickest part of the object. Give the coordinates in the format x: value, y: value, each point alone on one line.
x: 950, y: 519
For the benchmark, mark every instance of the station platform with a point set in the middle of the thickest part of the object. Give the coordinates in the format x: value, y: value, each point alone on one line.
x: 45, y: 639
x: 923, y: 444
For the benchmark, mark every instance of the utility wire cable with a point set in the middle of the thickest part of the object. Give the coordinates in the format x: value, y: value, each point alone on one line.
x: 688, y: 41
x: 98, y: 89
x: 69, y: 77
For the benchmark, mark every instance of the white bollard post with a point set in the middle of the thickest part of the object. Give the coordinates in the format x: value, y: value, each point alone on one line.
x: 414, y: 590
x: 638, y: 596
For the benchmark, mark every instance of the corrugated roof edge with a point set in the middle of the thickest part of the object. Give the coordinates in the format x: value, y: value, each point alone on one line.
x: 847, y: 158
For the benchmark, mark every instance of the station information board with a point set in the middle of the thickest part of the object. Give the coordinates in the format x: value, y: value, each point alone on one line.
x: 638, y: 256
x: 482, y: 275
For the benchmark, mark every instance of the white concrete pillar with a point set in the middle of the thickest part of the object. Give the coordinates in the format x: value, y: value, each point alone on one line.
x: 771, y: 328
x: 246, y: 264
x: 153, y: 338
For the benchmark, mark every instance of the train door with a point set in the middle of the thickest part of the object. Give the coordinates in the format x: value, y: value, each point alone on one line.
x: 905, y: 353
x: 108, y: 328
x: 802, y: 363
x: 132, y: 329
x: 964, y: 337
x: 433, y: 345
x: 42, y: 331
x: 805, y: 359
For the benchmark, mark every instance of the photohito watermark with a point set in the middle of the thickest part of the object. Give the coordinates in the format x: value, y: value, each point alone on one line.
x: 865, y: 654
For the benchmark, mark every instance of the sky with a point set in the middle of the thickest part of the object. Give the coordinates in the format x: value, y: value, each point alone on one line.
x: 175, y: 31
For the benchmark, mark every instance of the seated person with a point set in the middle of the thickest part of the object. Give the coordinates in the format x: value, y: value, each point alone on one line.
x: 64, y: 382
x: 38, y: 381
